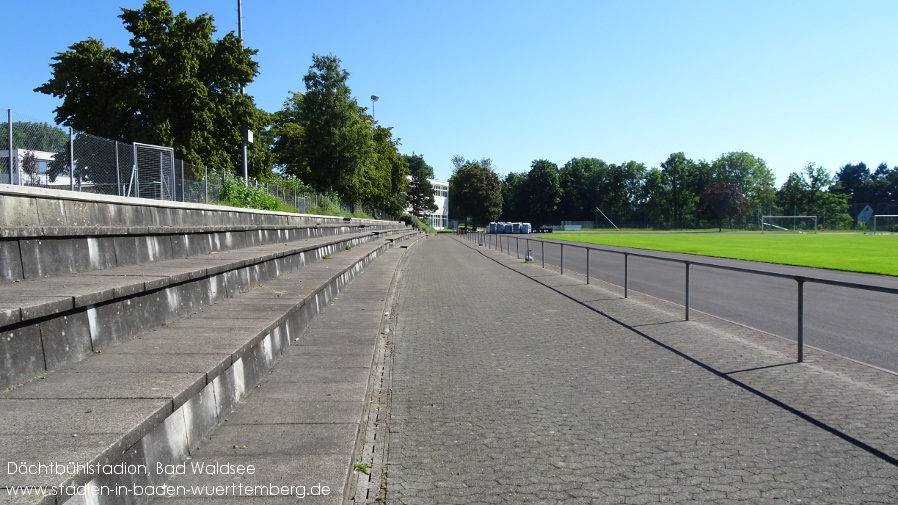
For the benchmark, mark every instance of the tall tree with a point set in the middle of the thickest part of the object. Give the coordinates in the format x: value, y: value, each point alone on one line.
x: 576, y: 194
x: 750, y: 174
x: 417, y: 165
x: 679, y: 176
x: 515, y: 205
x: 722, y: 201
x: 176, y: 86
x: 544, y: 189
x: 474, y: 191
x: 420, y: 194
x: 337, y: 142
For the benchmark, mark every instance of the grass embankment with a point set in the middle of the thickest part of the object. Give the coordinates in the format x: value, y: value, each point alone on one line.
x: 853, y: 252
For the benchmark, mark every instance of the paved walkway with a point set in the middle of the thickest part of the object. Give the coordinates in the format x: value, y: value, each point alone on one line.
x: 512, y: 384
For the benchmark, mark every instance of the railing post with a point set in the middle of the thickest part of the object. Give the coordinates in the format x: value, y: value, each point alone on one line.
x: 542, y: 246
x: 800, y: 319
x: 562, y: 259
x: 587, y: 265
x: 687, y: 290
x: 626, y: 274
x: 517, y: 248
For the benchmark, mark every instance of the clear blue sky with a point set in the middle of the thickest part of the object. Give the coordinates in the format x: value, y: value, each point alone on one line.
x: 789, y: 81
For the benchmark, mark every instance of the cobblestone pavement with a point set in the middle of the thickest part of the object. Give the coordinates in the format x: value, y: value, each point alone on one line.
x: 537, y: 388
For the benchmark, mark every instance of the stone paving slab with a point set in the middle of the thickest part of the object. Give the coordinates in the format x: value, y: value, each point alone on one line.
x: 512, y: 384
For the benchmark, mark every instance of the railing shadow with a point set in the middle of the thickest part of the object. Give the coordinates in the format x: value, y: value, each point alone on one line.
x: 727, y: 376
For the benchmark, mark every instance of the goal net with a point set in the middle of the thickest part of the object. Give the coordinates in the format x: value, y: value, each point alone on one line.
x: 789, y: 224
x: 886, y: 224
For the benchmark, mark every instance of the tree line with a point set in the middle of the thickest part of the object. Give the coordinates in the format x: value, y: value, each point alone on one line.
x: 179, y: 87
x: 735, y: 189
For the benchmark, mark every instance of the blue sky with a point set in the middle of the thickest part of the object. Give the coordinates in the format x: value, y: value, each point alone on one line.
x: 789, y: 81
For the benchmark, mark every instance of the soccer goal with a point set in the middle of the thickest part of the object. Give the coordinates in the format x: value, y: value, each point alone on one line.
x: 789, y: 224
x: 886, y: 224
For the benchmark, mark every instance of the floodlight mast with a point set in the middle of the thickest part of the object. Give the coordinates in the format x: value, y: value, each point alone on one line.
x: 245, y: 128
x: 374, y: 99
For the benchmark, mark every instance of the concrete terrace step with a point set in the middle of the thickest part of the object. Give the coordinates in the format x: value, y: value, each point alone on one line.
x: 50, y: 321
x: 49, y: 233
x: 303, y: 426
x: 151, y: 398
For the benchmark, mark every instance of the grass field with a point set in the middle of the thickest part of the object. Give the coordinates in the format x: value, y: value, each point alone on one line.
x: 853, y: 252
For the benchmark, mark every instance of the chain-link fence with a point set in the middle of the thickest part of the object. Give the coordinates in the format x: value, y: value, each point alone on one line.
x: 36, y: 153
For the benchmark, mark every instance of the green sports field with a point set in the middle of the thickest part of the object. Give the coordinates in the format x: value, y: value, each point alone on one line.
x: 854, y: 252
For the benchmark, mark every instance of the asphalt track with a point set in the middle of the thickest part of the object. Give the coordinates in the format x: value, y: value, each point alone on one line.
x: 857, y: 324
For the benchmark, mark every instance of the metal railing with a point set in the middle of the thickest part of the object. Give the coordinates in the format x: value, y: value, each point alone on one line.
x: 495, y: 241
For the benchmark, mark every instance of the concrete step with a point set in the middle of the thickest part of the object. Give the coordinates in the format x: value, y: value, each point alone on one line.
x: 50, y: 321
x: 304, y: 425
x: 45, y: 233
x: 150, y: 399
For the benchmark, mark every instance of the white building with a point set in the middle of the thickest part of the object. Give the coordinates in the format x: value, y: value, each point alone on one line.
x: 439, y: 220
x: 39, y: 177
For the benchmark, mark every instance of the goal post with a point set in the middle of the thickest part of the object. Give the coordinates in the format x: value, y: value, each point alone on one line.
x: 789, y: 224
x: 884, y: 224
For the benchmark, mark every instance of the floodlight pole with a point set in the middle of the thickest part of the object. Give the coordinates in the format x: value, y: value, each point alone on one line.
x: 240, y: 38
x: 374, y: 99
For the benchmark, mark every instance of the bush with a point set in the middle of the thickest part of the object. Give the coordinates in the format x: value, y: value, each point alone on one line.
x: 237, y: 193
x: 416, y: 223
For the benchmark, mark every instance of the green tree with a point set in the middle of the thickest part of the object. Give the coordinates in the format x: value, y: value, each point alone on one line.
x: 337, y: 143
x: 678, y: 191
x: 176, y: 87
x: 750, y: 173
x: 813, y: 192
x: 792, y: 194
x: 515, y: 205
x: 544, y: 191
x: 576, y: 194
x: 417, y: 165
x: 474, y: 191
x: 420, y: 194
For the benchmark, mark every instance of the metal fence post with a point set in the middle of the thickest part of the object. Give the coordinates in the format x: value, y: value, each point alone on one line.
x: 72, y: 159
x: 206, y: 179
x: 9, y: 152
x: 517, y: 248
x: 562, y: 260
x: 687, y: 290
x: 626, y: 274
x: 183, y: 182
x: 587, y: 265
x: 118, y: 177
x: 800, y: 319
x: 542, y: 245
